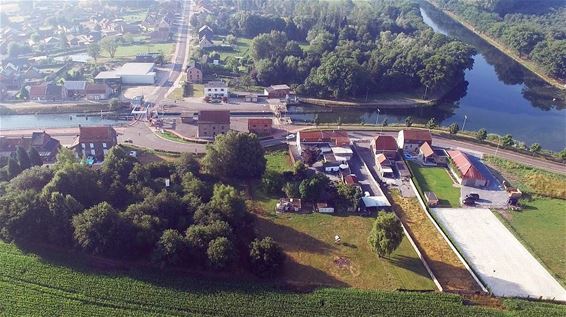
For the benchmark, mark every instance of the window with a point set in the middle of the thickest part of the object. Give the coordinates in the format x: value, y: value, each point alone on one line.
x: 83, y: 145
x: 105, y: 151
x: 93, y: 152
x: 92, y: 145
x: 104, y: 145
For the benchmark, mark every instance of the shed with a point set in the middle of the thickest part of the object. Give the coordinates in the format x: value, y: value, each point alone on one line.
x: 431, y: 199
x: 324, y: 208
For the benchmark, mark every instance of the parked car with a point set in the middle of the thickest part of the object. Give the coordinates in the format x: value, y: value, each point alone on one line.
x: 408, y: 156
x: 290, y: 137
x: 128, y: 141
x: 473, y: 196
x: 468, y: 201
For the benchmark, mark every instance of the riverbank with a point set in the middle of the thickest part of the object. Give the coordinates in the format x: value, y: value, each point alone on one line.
x: 386, y: 103
x: 531, y: 66
x: 37, y: 108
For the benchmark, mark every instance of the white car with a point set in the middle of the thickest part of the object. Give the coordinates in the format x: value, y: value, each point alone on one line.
x: 290, y: 137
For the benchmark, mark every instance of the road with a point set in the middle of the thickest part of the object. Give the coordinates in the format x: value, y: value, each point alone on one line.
x: 178, y: 61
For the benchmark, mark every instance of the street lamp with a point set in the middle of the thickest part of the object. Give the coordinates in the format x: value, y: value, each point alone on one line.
x: 377, y: 118
x: 464, y: 124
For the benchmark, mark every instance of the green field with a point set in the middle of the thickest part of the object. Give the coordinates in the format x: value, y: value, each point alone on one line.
x: 243, y: 46
x: 135, y: 16
x: 130, y: 51
x: 437, y: 180
x: 541, y: 225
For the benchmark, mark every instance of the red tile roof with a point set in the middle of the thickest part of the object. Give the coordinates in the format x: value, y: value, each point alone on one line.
x: 335, y: 138
x: 351, y: 179
x: 96, y: 88
x: 465, y: 166
x: 260, y: 121
x: 426, y: 150
x: 382, y: 160
x: 214, y: 116
x: 385, y: 143
x: 417, y: 135
x: 37, y: 91
x: 96, y: 134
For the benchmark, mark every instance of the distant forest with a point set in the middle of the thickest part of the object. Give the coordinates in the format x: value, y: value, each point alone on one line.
x: 341, y: 48
x: 536, y: 30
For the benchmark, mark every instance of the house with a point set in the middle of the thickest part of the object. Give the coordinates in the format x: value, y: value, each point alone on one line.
x: 384, y: 166
x: 93, y: 143
x: 212, y: 123
x: 216, y: 89
x: 467, y: 173
x: 47, y: 92
x: 46, y: 146
x: 277, y: 91
x: 160, y: 35
x: 75, y: 88
x: 351, y: 180
x: 260, y: 126
x: 326, y: 140
x: 410, y: 140
x: 431, y: 199
x: 97, y: 91
x: 386, y: 145
x: 251, y: 98
x: 428, y: 155
x: 130, y: 74
x: 194, y: 75
x: 205, y: 31
x: 205, y: 43
x: 288, y: 205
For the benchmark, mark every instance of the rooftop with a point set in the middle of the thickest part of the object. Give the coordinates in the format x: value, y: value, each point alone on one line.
x: 278, y: 87
x: 214, y: 116
x: 426, y: 149
x: 335, y: 138
x: 215, y: 84
x: 96, y: 134
x: 385, y: 143
x: 74, y: 84
x: 465, y: 165
x: 417, y: 135
x: 135, y: 69
x: 260, y: 121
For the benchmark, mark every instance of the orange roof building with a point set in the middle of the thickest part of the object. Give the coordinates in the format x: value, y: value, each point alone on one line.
x: 469, y: 173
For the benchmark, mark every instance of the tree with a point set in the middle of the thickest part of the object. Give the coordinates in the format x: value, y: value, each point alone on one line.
x: 386, y: 234
x: 93, y: 50
x: 310, y: 155
x: 78, y: 181
x: 507, y: 140
x: 231, y: 39
x: 481, y: 134
x: 266, y: 257
x: 272, y: 182
x: 220, y: 253
x: 110, y: 45
x: 522, y: 38
x: 170, y: 248
x: 34, y: 158
x: 61, y: 210
x: 408, y: 121
x: 291, y: 190
x: 23, y: 158
x: 453, y: 128
x: 348, y: 196
x: 313, y: 188
x: 535, y: 148
x: 34, y: 178
x: 13, y: 168
x: 235, y: 155
x: 432, y: 123
x: 23, y: 94
x: 101, y: 230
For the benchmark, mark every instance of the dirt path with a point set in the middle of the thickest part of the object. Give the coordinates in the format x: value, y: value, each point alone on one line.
x: 443, y: 262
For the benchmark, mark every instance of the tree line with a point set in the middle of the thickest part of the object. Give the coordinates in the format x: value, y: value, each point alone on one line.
x: 178, y: 214
x: 535, y: 30
x: 342, y: 48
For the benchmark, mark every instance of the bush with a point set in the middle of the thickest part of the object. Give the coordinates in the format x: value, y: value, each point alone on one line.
x: 220, y: 253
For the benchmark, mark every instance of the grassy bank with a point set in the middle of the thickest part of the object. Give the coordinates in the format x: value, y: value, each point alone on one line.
x: 530, y: 65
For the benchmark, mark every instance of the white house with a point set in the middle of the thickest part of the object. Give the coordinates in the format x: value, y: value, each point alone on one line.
x: 216, y: 89
x: 411, y: 140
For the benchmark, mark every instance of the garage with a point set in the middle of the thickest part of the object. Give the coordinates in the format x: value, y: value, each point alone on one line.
x: 500, y: 260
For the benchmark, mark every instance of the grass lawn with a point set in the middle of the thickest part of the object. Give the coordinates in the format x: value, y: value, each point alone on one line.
x: 198, y: 90
x: 130, y: 51
x: 135, y: 16
x: 314, y: 258
x: 437, y: 180
x: 170, y: 136
x: 243, y: 46
x: 541, y: 226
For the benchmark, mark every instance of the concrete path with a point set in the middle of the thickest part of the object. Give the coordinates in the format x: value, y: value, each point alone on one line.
x: 500, y: 260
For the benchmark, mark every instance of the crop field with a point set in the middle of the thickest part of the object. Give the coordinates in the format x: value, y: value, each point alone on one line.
x: 61, y: 284
x: 442, y: 260
x: 437, y: 180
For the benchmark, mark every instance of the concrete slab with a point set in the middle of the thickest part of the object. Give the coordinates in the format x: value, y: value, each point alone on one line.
x: 500, y: 260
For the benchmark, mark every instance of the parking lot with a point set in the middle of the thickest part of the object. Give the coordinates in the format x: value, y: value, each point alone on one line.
x: 501, y: 261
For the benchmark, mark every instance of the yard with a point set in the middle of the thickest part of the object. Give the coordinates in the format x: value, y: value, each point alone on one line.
x: 437, y: 180
x: 243, y: 46
x: 314, y: 258
x: 130, y: 51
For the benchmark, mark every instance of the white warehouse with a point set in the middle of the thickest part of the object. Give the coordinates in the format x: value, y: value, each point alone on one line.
x: 131, y: 74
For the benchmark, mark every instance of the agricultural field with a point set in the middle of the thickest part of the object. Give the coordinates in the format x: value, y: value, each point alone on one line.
x: 437, y: 180
x: 56, y: 284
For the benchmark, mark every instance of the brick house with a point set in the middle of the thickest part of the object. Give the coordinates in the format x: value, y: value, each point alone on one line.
x: 97, y: 91
x: 277, y: 91
x: 386, y: 145
x: 212, y: 123
x: 194, y: 75
x: 47, y: 92
x: 94, y: 142
x: 260, y: 126
x: 411, y: 140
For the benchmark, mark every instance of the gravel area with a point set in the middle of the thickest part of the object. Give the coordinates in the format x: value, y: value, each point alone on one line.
x: 500, y: 260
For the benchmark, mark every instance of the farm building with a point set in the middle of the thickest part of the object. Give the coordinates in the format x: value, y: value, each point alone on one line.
x: 468, y: 174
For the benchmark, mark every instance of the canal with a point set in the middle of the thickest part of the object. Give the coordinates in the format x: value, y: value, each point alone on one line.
x: 499, y: 95
x: 41, y: 121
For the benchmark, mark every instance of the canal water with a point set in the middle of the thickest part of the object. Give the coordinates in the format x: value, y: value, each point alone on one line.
x: 499, y: 95
x: 40, y: 121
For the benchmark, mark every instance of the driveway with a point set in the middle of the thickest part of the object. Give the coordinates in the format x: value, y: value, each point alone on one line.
x: 500, y: 260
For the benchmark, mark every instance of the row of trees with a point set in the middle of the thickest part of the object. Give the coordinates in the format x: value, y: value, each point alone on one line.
x: 21, y: 160
x: 533, y: 29
x: 128, y: 210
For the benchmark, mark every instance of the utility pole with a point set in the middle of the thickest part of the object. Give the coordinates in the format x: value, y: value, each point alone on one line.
x: 377, y: 118
x: 464, y: 124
